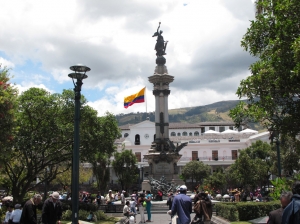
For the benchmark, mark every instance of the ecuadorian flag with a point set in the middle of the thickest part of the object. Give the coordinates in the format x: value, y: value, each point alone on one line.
x: 135, y: 98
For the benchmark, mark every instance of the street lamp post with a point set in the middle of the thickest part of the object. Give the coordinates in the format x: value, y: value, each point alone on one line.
x: 79, y: 75
x: 275, y: 135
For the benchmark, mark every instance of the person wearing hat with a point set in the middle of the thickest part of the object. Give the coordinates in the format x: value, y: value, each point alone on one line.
x: 109, y: 197
x: 29, y: 210
x: 16, y: 214
x: 52, y: 209
x: 182, y: 206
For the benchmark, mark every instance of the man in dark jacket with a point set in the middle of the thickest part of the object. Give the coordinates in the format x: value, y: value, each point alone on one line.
x: 291, y: 214
x: 29, y: 210
x: 276, y: 215
x: 52, y: 210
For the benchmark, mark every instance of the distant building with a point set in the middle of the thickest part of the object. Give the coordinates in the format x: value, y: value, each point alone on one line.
x: 220, y: 148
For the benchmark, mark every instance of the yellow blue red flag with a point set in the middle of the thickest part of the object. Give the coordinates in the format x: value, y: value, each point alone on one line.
x: 135, y: 98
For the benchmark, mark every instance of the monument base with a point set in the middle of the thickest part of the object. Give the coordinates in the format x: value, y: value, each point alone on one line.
x: 164, y: 165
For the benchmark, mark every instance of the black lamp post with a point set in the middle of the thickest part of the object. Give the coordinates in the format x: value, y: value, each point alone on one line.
x: 275, y: 136
x: 79, y: 75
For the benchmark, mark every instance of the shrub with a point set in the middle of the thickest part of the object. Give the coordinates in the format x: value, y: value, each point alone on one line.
x: 67, y: 215
x: 253, y: 210
x: 227, y: 211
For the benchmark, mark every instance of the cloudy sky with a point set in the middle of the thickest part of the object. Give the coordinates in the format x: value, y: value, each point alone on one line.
x: 40, y: 40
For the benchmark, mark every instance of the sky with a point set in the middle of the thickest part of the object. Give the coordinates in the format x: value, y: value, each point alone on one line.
x: 40, y: 40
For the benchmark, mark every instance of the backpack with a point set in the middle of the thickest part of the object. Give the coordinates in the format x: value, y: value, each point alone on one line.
x: 197, y: 207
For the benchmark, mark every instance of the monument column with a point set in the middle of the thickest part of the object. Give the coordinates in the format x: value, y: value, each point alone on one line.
x: 163, y: 154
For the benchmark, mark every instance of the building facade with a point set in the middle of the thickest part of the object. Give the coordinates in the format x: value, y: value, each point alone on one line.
x: 214, y: 143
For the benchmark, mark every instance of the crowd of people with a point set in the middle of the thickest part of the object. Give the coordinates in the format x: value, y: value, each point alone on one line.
x: 51, y: 211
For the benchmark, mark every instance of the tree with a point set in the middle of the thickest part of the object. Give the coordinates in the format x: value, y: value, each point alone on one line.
x: 216, y: 181
x: 195, y: 171
x: 272, y: 90
x: 44, y: 139
x: 252, y: 167
x: 8, y: 96
x: 125, y: 168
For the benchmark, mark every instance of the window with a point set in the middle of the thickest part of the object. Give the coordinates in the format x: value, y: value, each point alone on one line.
x: 154, y: 137
x: 240, y: 128
x: 202, y: 130
x: 178, y: 134
x: 190, y: 134
x: 221, y: 129
x: 137, y: 140
x: 138, y: 156
x: 173, y: 134
x: 196, y: 133
x: 195, y: 155
x: 184, y: 133
x: 212, y: 128
x: 126, y: 135
x: 231, y: 127
x: 234, y: 154
x: 215, y: 155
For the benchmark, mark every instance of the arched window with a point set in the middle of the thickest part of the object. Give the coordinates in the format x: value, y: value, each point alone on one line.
x: 190, y: 134
x: 137, y: 140
x: 173, y: 134
x: 184, y: 133
x: 196, y: 133
x: 178, y: 134
x: 126, y: 135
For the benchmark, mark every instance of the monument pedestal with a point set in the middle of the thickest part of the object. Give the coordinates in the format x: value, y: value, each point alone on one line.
x: 164, y: 165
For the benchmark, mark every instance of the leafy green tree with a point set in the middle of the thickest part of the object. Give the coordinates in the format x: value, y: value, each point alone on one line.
x: 272, y: 89
x: 8, y: 96
x: 217, y: 180
x: 195, y: 171
x: 125, y: 168
x: 44, y: 139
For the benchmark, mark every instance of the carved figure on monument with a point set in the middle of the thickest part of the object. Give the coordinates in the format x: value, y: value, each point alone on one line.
x: 160, y: 45
x: 177, y: 148
x: 162, y: 185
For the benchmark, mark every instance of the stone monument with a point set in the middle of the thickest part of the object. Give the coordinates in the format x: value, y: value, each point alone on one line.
x: 163, y: 154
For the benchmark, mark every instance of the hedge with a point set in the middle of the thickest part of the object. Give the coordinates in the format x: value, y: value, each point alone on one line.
x: 244, y: 211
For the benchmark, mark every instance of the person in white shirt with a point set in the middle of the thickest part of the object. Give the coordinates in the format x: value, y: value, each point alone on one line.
x: 126, y: 209
x: 123, y: 197
x: 16, y: 214
x: 8, y: 214
x: 133, y: 205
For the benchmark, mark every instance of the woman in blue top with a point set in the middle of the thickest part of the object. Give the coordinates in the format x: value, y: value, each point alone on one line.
x: 148, y: 206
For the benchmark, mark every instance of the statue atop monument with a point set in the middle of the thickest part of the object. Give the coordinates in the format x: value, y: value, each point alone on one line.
x: 160, y: 45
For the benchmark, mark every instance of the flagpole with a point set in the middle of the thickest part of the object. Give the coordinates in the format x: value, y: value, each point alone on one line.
x: 146, y: 99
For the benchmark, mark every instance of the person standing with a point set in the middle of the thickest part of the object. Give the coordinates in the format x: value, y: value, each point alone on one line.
x: 140, y: 202
x: 29, y: 210
x: 10, y: 208
x: 98, y: 199
x: 16, y: 214
x: 133, y: 205
x: 123, y: 197
x: 148, y: 200
x: 291, y: 214
x: 276, y: 215
x: 182, y: 206
x: 52, y: 209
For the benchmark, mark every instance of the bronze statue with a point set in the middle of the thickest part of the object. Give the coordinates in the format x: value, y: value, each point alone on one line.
x: 160, y: 45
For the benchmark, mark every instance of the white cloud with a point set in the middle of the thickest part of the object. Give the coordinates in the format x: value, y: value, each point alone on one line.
x: 7, y: 63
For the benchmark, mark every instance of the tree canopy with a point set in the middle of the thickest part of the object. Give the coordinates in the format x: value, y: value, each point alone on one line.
x: 8, y: 96
x: 272, y: 89
x: 124, y: 165
x: 195, y: 171
x: 44, y: 139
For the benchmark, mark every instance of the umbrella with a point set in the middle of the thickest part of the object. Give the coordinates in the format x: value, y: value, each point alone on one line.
x: 7, y: 198
x: 263, y: 219
x: 249, y: 131
x: 211, y: 132
x: 229, y: 131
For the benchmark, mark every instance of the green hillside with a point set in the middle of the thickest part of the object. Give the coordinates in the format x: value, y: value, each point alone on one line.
x: 216, y: 112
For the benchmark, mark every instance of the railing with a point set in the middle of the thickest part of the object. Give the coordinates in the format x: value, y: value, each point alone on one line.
x: 208, y: 158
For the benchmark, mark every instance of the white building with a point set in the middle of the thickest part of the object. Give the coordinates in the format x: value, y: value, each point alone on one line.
x: 214, y: 143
